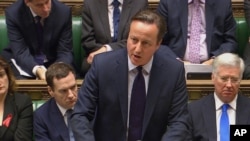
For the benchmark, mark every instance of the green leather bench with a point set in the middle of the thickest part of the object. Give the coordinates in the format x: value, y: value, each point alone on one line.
x: 76, y: 29
x: 242, y: 36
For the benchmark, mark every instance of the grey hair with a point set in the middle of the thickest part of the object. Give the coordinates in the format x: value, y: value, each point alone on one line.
x: 230, y: 60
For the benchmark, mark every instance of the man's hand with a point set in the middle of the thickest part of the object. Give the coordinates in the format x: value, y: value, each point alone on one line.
x: 208, y: 62
x: 40, y: 73
x: 92, y: 55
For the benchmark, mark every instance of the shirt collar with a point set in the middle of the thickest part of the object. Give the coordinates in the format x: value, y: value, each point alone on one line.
x: 146, y: 68
x: 201, y: 1
x: 110, y: 2
x: 219, y: 103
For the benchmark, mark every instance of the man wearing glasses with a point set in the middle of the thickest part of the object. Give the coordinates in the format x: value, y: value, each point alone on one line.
x: 211, y: 116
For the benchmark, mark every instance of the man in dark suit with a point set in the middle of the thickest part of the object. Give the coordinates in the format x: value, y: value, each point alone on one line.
x: 106, y: 97
x: 246, y: 53
x: 36, y: 39
x: 50, y: 120
x: 206, y: 113
x: 216, y: 34
x: 98, y: 28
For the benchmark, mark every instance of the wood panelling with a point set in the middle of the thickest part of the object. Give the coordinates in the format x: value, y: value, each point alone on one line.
x: 37, y: 89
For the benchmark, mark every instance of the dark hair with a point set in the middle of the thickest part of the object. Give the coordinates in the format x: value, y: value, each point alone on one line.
x: 12, y: 84
x: 151, y: 17
x: 58, y: 70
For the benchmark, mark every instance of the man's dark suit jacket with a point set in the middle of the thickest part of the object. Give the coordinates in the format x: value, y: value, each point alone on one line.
x: 19, y: 107
x: 95, y: 25
x: 203, y: 117
x: 49, y: 124
x: 104, y: 96
x: 246, y: 54
x: 23, y: 39
x: 220, y: 26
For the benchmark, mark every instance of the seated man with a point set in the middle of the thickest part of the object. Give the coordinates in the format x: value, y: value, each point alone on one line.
x: 50, y: 120
x: 36, y: 39
x: 201, y: 30
x: 207, y: 115
x: 107, y: 28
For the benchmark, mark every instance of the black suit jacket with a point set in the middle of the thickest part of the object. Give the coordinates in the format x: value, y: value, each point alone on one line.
x: 49, y: 124
x: 23, y: 40
x: 19, y: 106
x: 220, y: 26
x: 203, y: 117
x: 104, y: 96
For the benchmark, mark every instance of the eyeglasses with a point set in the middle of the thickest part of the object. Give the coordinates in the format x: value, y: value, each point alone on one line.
x: 233, y: 80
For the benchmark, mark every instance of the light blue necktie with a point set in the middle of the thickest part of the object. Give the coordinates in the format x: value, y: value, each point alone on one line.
x: 71, y: 135
x: 224, y: 124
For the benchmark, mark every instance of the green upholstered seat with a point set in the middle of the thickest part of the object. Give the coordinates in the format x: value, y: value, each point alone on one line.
x: 242, y: 33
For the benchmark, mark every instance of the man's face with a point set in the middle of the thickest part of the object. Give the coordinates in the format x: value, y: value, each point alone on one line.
x: 40, y: 7
x: 142, y: 42
x: 65, y: 91
x: 226, y: 82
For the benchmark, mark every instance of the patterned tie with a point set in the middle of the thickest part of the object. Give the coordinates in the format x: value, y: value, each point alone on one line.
x: 224, y: 124
x: 39, y: 56
x: 71, y: 135
x: 137, y: 106
x: 194, y: 41
x: 116, y: 18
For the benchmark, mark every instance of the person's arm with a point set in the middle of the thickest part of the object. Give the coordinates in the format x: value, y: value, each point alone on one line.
x: 247, y: 11
x: 40, y: 131
x: 177, y: 128
x: 65, y: 43
x: 17, y: 43
x: 229, y: 35
x: 85, y: 107
x: 24, y: 129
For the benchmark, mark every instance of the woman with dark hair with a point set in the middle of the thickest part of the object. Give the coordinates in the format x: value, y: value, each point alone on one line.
x: 16, y: 111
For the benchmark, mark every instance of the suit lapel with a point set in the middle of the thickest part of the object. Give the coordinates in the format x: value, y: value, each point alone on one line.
x: 124, y: 19
x: 210, y: 119
x: 154, y: 90
x: 242, y: 113
x: 209, y: 16
x: 58, y: 121
x: 104, y: 19
x: 9, y: 109
x: 29, y: 23
x: 183, y: 18
x: 121, y: 71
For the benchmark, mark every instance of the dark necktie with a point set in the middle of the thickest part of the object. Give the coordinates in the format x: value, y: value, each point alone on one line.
x: 194, y: 40
x: 71, y: 135
x: 137, y: 107
x: 224, y: 124
x: 116, y: 18
x: 39, y: 56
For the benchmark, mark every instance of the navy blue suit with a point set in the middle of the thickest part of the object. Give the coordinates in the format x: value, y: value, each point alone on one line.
x: 103, y: 99
x: 49, y: 124
x: 203, y: 117
x: 23, y: 43
x: 220, y: 26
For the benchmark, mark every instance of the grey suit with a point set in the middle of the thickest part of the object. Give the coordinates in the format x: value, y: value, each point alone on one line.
x: 95, y: 25
x: 203, y: 117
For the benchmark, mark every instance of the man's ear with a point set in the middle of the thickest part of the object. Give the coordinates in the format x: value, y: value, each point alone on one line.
x: 27, y: 2
x: 50, y: 91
